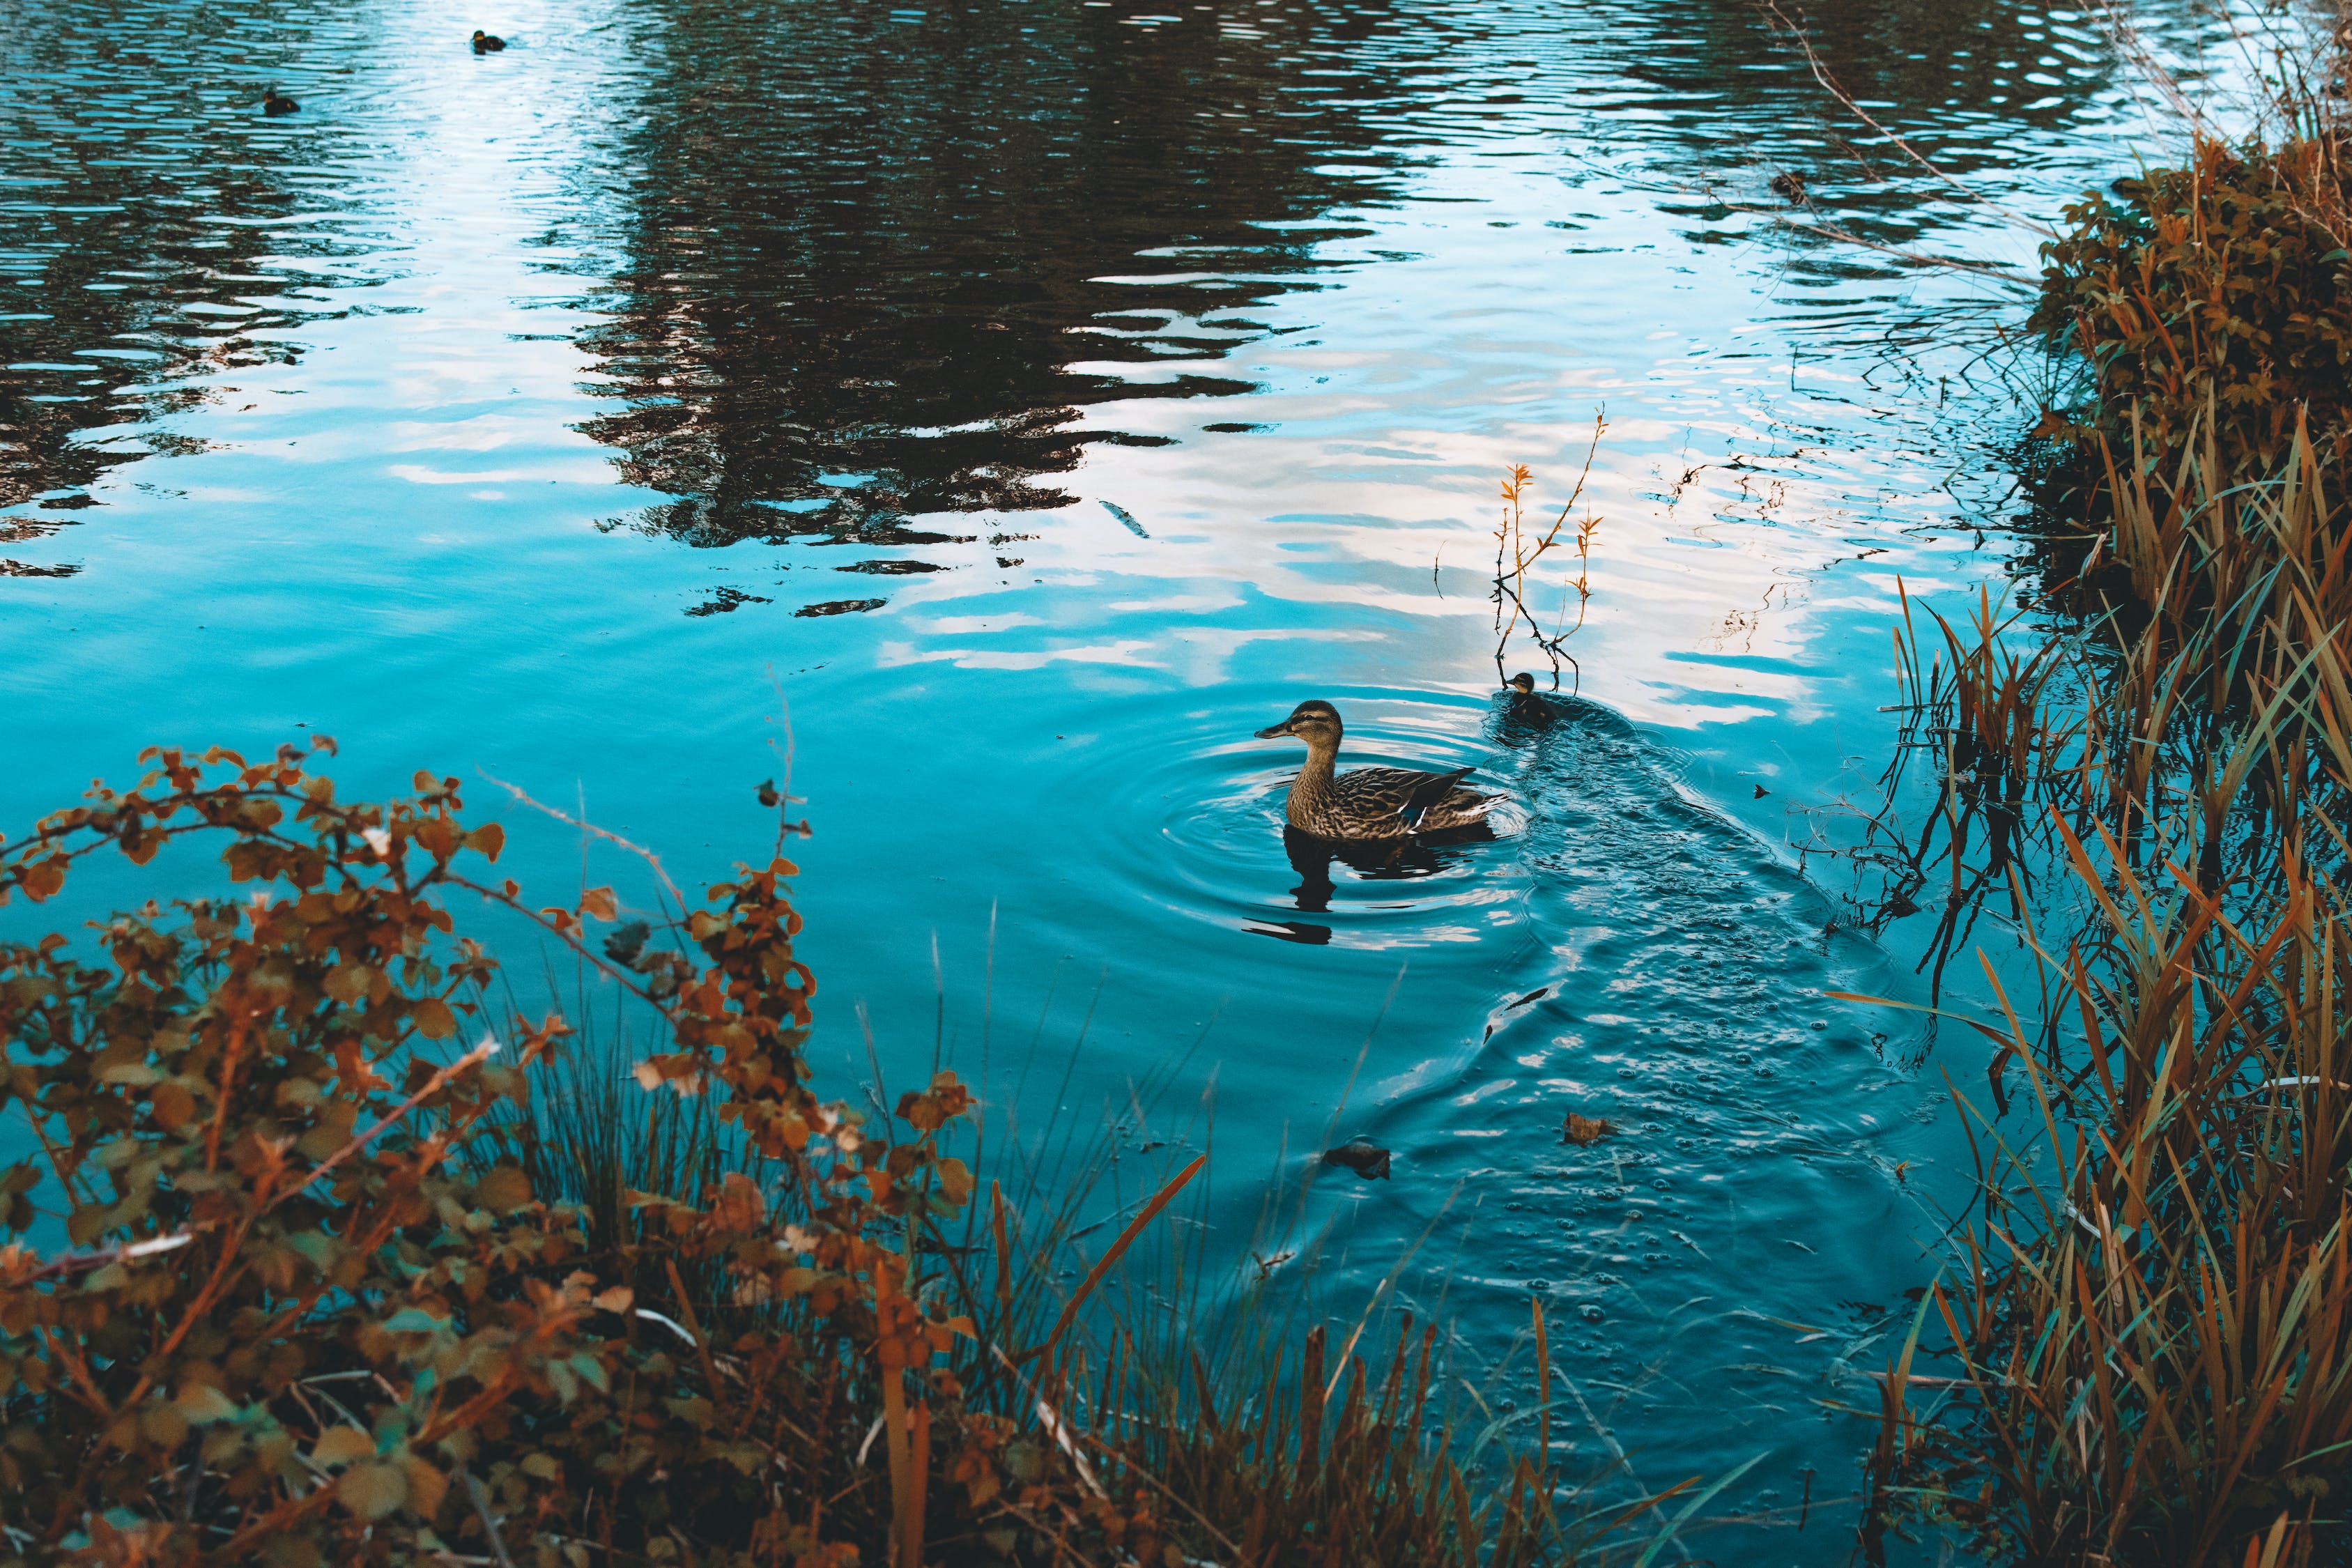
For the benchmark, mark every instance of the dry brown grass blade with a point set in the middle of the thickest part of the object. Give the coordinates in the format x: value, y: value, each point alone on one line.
x: 1135, y: 1227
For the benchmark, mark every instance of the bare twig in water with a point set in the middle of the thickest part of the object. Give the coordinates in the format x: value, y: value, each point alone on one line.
x: 639, y: 850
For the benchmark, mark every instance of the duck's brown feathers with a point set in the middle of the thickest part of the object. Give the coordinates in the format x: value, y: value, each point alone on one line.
x: 1381, y: 803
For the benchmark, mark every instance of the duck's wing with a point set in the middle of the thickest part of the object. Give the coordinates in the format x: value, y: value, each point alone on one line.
x: 1374, y: 793
x: 1461, y: 808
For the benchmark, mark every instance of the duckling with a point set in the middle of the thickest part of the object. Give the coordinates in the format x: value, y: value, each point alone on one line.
x: 276, y: 102
x: 1789, y: 187
x: 488, y: 43
x: 1370, y: 803
x: 1525, y: 706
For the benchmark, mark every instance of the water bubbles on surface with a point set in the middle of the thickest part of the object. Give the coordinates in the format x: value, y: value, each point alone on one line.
x: 1594, y: 1314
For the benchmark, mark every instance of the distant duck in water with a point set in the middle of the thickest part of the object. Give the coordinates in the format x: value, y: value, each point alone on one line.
x: 1789, y: 187
x: 1524, y: 704
x: 276, y: 102
x: 488, y: 43
x: 1370, y: 803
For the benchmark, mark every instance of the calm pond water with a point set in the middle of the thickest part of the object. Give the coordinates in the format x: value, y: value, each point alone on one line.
x: 1047, y: 397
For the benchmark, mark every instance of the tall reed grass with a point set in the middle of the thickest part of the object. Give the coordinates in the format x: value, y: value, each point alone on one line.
x: 1227, y: 1420
x: 2149, y: 1300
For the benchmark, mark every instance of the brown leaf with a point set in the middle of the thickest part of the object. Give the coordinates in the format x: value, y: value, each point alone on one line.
x: 373, y: 1490
x: 955, y: 1181
x: 348, y: 981
x: 172, y: 1105
x: 340, y: 1445
x: 434, y: 1020
x: 503, y: 1190
x: 1582, y: 1130
x: 426, y: 1486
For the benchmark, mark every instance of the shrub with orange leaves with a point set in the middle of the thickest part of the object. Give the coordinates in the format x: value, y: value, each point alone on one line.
x: 299, y: 1276
x: 309, y: 1307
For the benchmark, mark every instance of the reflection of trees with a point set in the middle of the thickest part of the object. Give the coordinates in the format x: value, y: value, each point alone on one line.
x: 140, y: 174
x: 1932, y: 67
x: 855, y: 255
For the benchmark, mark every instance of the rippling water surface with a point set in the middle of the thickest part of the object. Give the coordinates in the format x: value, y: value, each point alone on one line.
x: 1044, y: 397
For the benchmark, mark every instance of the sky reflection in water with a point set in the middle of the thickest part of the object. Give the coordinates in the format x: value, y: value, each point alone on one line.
x: 1051, y: 396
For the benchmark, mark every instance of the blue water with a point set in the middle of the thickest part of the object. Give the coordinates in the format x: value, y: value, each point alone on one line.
x: 1037, y: 400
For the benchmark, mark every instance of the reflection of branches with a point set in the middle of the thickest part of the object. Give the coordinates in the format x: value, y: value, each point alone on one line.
x: 1829, y: 85
x: 2296, y: 60
x: 1987, y: 719
x: 2001, y: 270
x: 1513, y: 558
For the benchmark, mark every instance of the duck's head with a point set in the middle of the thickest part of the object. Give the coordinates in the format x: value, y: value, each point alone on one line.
x: 1523, y: 683
x: 1315, y: 721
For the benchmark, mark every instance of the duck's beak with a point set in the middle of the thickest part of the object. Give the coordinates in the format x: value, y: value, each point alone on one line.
x: 1275, y: 731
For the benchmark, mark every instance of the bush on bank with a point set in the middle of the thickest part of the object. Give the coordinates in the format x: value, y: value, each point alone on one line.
x: 323, y: 1299
x: 2146, y: 1307
x: 2226, y: 280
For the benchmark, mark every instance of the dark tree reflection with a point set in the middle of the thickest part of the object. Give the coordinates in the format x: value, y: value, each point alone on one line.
x: 142, y: 229
x: 858, y: 255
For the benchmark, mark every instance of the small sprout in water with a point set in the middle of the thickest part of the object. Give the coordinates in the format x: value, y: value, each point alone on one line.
x: 1582, y: 1130
x: 767, y: 793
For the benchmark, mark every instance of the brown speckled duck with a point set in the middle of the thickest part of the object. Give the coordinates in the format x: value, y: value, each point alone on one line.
x: 1370, y: 803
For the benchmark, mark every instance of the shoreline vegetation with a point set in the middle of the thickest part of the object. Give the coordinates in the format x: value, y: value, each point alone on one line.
x: 339, y: 1287
x: 2139, y: 1349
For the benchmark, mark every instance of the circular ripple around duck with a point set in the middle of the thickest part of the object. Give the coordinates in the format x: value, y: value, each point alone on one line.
x: 1193, y: 810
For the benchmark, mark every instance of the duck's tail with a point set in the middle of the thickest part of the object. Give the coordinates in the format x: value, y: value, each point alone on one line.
x: 1442, y: 804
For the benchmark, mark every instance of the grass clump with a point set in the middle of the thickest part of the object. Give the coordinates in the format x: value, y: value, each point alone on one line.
x: 2149, y: 1303
x: 2147, y: 1306
x: 319, y: 1281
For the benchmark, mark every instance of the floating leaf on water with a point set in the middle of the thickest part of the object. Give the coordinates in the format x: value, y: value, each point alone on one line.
x: 1582, y: 1130
x: 1362, y: 1155
x: 1127, y: 518
x: 626, y: 942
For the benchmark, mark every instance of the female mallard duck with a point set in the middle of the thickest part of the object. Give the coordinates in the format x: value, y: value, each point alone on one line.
x: 276, y: 102
x: 1370, y: 803
x: 488, y: 43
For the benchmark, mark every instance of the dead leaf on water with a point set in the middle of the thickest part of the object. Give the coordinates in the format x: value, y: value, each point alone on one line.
x: 1582, y: 1130
x: 1362, y: 1155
